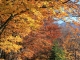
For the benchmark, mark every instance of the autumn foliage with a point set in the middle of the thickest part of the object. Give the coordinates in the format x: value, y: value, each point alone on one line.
x: 27, y: 28
x: 41, y: 41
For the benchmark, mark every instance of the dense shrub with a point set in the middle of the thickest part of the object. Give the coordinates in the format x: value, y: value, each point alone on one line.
x: 57, y: 52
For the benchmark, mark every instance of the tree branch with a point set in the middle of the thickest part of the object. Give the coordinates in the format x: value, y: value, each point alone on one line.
x: 8, y: 20
x: 5, y: 24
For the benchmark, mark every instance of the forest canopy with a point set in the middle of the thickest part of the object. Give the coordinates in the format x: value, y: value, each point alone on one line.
x: 26, y: 26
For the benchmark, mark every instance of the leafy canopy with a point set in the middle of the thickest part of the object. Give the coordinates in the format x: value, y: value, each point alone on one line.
x: 18, y: 18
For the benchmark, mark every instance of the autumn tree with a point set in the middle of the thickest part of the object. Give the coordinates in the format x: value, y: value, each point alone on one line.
x: 21, y: 18
x: 57, y: 52
x: 39, y: 42
x: 70, y: 42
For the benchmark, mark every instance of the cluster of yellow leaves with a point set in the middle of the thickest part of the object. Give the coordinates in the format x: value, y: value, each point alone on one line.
x: 30, y: 21
x: 10, y: 43
x: 68, y: 55
x: 22, y: 26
